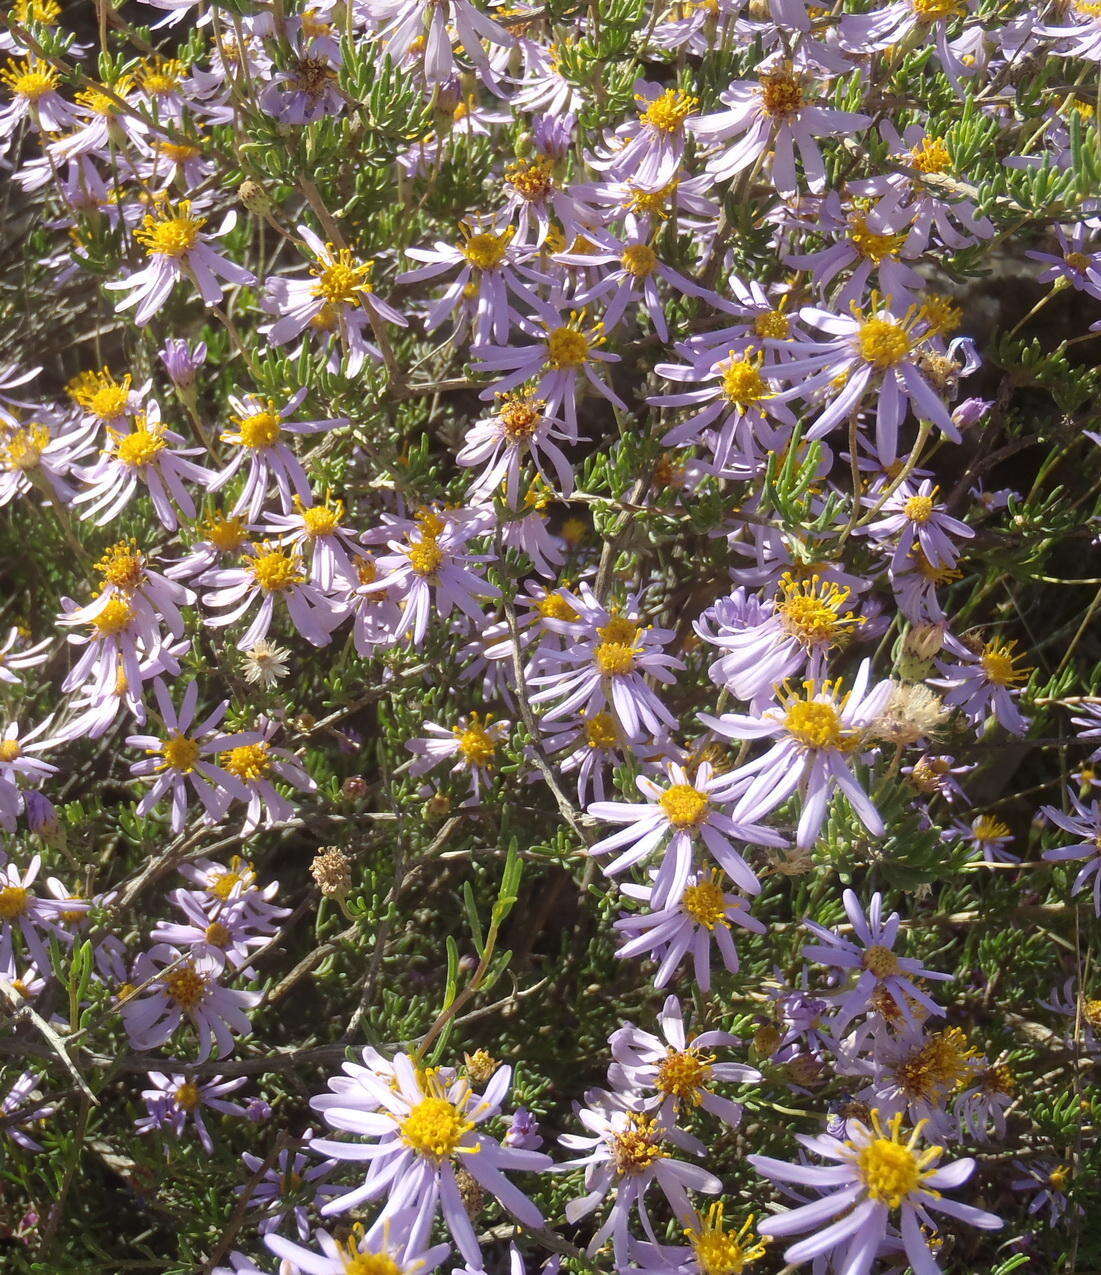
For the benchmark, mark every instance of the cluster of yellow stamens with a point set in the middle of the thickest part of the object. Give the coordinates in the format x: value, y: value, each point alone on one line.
x: 719, y: 1251
x: 100, y: 394
x: 893, y: 1169
x: 638, y: 1147
x: 341, y: 279
x: 813, y: 610
x: 168, y: 233
x: 815, y: 722
x: 618, y: 648
x: 274, y: 568
x: 29, y: 78
x: 668, y: 111
x: 476, y: 742
x: 569, y: 345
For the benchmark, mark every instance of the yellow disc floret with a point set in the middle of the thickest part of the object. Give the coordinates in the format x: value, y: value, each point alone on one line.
x: 434, y: 1128
x: 684, y: 806
x: 170, y: 234
x: 719, y: 1251
x: 668, y: 112
x: 892, y: 1170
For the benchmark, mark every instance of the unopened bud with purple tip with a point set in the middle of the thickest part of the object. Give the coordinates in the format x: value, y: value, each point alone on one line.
x: 181, y: 362
x: 553, y: 134
x: 971, y: 411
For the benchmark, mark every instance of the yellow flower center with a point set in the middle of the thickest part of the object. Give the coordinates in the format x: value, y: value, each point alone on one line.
x: 180, y: 753
x: 487, y: 250
x: 217, y: 935
x: 941, y: 314
x: 930, y: 155
x: 114, y: 617
x: 343, y: 279
x: 721, y: 1252
x: 684, y: 806
x: 434, y: 1128
x: 871, y: 245
x: 998, y: 661
x: 918, y: 508
x: 425, y: 556
x: 275, y: 570
x: 937, y: 1067
x: 782, y: 92
x: 705, y: 904
x: 185, y: 985
x: 566, y: 347
x: 683, y: 1073
x: 601, y: 731
x: 520, y: 415
x: 23, y: 448
x: 187, y: 1096
x: 161, y: 76
x: 742, y: 380
x: 638, y: 1147
x: 935, y: 10
x: 170, y: 234
x: 880, y: 961
x: 225, y: 534
x: 652, y: 203
x: 668, y: 112
x: 476, y: 744
x: 28, y: 78
x: 812, y: 610
x: 223, y: 886
x: 44, y: 12
x: 140, y: 448
x: 989, y: 828
x: 100, y: 101
x: 889, y: 1167
x: 371, y: 1264
x: 882, y: 342
x: 321, y: 520
x: 14, y: 901
x: 774, y: 325
x: 100, y: 394
x: 639, y: 260
x: 816, y: 724
x: 122, y: 566
x: 531, y: 181
x: 10, y: 749
x: 247, y: 762
x: 260, y: 429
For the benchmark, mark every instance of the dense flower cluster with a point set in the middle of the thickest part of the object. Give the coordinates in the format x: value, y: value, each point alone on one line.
x: 538, y: 460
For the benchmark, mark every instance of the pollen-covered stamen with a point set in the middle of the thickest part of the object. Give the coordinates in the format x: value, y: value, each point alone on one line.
x: 141, y: 447
x: 10, y: 750
x: 313, y: 76
x: 883, y: 342
x: 100, y: 394
x: 122, y: 566
x: 115, y: 616
x: 615, y: 655
x: 874, y: 245
x: 937, y: 10
x: 773, y: 325
x: 930, y: 155
x: 999, y: 663
x: 14, y: 902
x: 668, y: 111
x: 29, y: 78
x: 601, y: 731
x: 170, y: 234
x: 217, y: 935
x: 638, y: 1148
x: 185, y: 985
x: 486, y: 249
x: 782, y: 92
x: 684, y: 806
x: 653, y: 203
x: 813, y: 610
x: 639, y: 260
x: 22, y: 449
x: 742, y: 381
x: 816, y: 723
x: 366, y: 1263
x: 246, y: 761
x: 476, y: 744
x: 569, y: 346
x: 705, y: 902
x: 320, y: 520
x: 683, y: 1073
x: 989, y: 828
x: 425, y: 556
x: 187, y: 1096
x: 520, y: 416
x: 891, y: 1169
x: 880, y: 961
x: 938, y: 1067
x: 531, y: 181
x: 719, y: 1251
x: 342, y: 280
x: 275, y: 569
x: 434, y: 1128
x: 258, y: 429
x: 920, y: 508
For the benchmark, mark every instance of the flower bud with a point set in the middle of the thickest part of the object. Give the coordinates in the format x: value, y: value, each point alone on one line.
x: 181, y: 362
x: 254, y: 197
x: 354, y: 788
